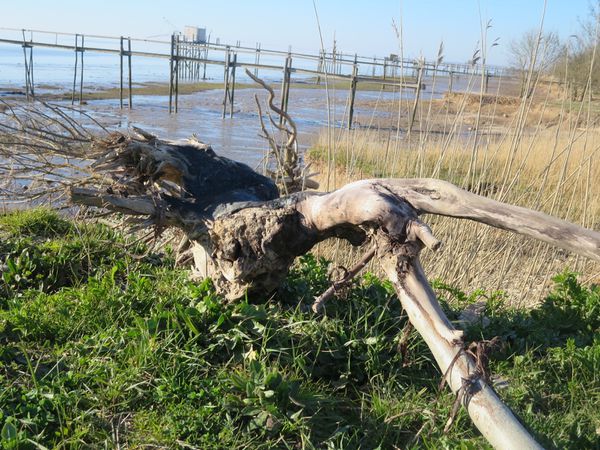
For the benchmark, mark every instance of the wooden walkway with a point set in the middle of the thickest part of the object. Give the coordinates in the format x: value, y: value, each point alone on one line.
x: 188, y: 61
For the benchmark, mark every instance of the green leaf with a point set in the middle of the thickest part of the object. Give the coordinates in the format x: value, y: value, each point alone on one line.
x: 297, y: 415
x: 9, y: 432
x: 273, y: 379
x: 269, y: 393
x: 187, y: 315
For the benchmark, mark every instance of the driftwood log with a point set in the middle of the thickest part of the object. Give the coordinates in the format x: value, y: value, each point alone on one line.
x: 246, y: 237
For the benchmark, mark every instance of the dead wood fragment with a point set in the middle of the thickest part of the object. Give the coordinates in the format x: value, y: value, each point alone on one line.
x: 290, y: 175
x: 319, y: 302
x: 249, y: 236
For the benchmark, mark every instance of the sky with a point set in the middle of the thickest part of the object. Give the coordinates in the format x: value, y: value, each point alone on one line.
x: 359, y: 27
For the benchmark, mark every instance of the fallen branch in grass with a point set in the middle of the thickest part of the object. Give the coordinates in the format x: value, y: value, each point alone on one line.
x: 247, y: 239
x: 319, y: 302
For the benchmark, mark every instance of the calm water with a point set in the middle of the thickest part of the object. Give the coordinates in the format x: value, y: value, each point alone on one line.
x: 101, y: 70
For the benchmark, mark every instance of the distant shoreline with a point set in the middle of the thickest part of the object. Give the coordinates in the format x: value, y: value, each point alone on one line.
x: 60, y: 92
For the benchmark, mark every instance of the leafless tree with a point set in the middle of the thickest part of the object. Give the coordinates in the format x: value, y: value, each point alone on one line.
x: 534, y: 54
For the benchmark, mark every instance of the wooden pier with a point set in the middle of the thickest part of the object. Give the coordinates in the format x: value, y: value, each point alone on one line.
x: 188, y: 61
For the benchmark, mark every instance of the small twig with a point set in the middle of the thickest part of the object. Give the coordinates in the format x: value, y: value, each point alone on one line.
x: 271, y: 141
x: 479, y: 351
x: 319, y: 302
x: 293, y: 133
x: 403, y: 413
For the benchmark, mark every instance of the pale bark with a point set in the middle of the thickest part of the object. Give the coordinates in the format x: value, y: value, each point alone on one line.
x: 494, y: 420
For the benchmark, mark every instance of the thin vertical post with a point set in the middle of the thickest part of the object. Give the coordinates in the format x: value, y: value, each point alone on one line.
x: 450, y: 81
x: 232, y: 91
x: 75, y: 72
x: 320, y: 65
x: 257, y: 58
x: 121, y: 73
x: 171, y: 73
x: 188, y: 61
x: 226, y: 81
x: 196, y: 73
x: 182, y: 51
x: 352, y: 94
x: 201, y: 56
x: 285, y: 87
x: 26, y: 71
x: 200, y: 53
x: 31, y: 82
x: 81, y: 73
x: 184, y: 61
x: 194, y: 62
x: 417, y: 95
x: 177, y: 73
x: 28, y: 67
x: 192, y: 56
x: 177, y: 48
x: 205, y: 58
x: 130, y: 76
x: 196, y: 57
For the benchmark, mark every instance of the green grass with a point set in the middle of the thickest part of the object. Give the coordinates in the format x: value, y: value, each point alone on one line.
x: 101, y: 343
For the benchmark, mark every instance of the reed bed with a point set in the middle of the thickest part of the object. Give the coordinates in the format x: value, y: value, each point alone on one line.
x: 539, y: 151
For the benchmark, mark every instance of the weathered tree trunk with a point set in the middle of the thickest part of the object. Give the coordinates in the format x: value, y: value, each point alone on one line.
x: 250, y: 237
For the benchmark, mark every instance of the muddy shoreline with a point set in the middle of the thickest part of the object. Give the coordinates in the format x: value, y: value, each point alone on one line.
x: 312, y: 106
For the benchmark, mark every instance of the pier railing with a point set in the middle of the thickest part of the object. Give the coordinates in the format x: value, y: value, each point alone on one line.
x: 188, y: 61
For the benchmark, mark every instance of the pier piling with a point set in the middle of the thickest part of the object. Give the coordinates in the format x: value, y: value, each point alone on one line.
x: 285, y: 87
x: 129, y: 73
x: 353, y: 85
x: 28, y: 65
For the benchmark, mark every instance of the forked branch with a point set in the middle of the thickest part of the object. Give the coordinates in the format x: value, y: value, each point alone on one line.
x: 290, y: 172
